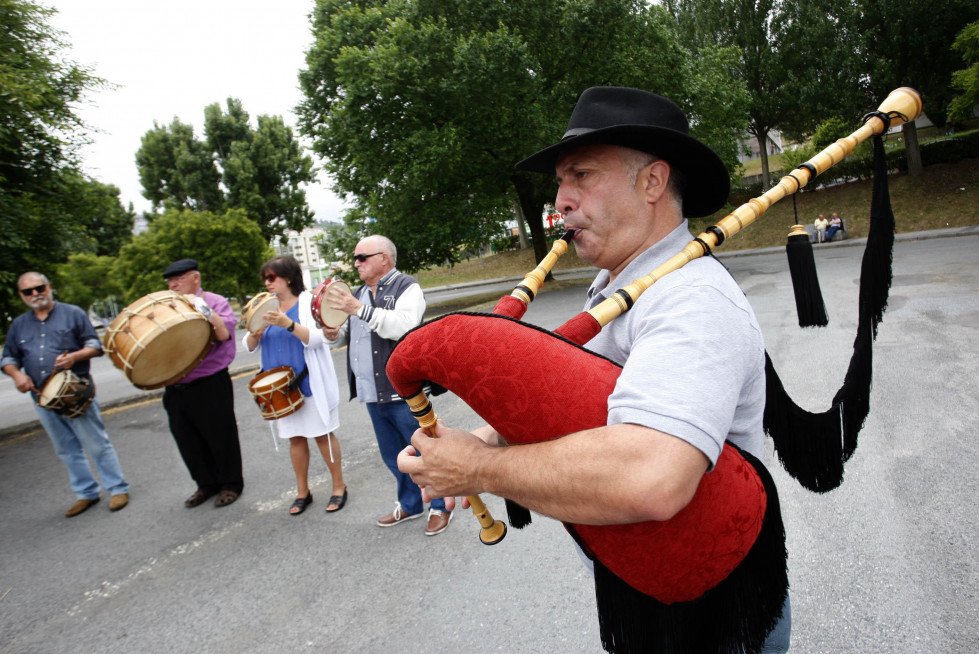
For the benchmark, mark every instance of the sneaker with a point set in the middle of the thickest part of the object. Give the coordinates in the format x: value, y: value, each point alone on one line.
x: 396, y: 517
x: 438, y: 521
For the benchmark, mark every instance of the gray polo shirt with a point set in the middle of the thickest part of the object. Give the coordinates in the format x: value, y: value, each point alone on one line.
x: 692, y: 353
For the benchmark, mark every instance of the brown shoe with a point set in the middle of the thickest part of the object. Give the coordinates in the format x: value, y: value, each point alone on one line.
x: 199, y: 497
x: 118, y: 501
x: 80, y: 507
x: 396, y: 517
x: 225, y: 498
x: 438, y: 521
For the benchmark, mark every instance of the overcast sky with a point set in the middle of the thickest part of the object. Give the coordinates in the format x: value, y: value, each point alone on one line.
x: 172, y: 59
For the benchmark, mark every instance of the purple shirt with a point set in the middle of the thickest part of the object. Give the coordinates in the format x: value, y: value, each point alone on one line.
x: 222, y: 352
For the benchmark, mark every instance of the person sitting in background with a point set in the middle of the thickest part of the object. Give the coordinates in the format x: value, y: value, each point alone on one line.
x: 821, y: 224
x: 835, y: 224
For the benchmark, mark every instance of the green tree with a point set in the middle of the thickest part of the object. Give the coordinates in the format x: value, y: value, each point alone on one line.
x: 966, y: 80
x: 260, y: 170
x: 97, y: 213
x: 422, y: 108
x: 908, y: 43
x: 39, y: 136
x: 790, y: 59
x: 229, y: 247
x: 85, y: 279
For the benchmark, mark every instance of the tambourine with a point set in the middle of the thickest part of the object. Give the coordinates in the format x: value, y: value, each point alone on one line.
x: 322, y: 314
x: 258, y: 306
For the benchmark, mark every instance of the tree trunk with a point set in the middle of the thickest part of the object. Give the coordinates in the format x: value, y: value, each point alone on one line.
x: 912, y: 151
x: 766, y: 178
x: 533, y: 210
x: 521, y: 226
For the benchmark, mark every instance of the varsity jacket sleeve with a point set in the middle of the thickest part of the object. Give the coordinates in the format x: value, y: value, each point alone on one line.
x: 394, y: 323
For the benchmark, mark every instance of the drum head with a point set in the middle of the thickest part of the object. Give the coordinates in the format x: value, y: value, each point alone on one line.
x: 180, y: 348
x: 259, y: 305
x: 273, y: 378
x: 54, y: 387
x: 323, y: 314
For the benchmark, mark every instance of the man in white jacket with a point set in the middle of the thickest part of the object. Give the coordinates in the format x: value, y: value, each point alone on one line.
x: 381, y: 311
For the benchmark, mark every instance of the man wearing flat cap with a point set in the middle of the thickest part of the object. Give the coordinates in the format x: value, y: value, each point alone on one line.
x: 628, y: 174
x: 200, y: 406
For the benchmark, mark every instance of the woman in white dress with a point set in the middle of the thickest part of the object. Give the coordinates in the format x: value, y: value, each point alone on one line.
x: 290, y: 338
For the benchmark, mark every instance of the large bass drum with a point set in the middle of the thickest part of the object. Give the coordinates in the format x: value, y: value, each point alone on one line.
x: 158, y: 339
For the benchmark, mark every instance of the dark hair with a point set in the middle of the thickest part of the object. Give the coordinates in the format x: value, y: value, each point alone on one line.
x: 288, y: 269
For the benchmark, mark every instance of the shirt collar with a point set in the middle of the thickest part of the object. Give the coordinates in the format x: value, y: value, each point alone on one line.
x: 642, y: 265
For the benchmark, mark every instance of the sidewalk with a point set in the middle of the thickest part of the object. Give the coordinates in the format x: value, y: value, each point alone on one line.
x: 17, y: 414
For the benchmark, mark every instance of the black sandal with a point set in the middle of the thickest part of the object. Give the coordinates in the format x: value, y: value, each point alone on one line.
x: 301, y: 503
x: 339, y: 500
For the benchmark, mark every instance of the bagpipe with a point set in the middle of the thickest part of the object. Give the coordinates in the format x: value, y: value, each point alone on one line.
x: 712, y: 578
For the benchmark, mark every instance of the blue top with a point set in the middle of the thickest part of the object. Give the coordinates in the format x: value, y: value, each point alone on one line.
x: 280, y: 348
x: 34, y: 344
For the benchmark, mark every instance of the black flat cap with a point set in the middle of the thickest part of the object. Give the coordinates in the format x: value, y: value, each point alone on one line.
x: 179, y: 267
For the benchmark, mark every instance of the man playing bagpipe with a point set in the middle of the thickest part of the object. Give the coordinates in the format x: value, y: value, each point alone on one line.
x: 692, y: 375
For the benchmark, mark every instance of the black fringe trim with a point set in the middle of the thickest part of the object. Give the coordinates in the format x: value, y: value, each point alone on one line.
x: 813, y: 447
x: 734, y: 616
x: 805, y: 282
x: 518, y: 516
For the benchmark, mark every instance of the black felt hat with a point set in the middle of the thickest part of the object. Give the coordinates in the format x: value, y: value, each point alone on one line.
x: 611, y: 115
x: 179, y: 267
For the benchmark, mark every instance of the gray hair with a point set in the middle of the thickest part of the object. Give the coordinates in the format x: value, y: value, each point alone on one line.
x: 386, y: 245
x: 636, y: 160
x: 31, y: 272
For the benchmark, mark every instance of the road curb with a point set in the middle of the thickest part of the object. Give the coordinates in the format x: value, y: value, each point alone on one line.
x: 141, y: 396
x: 572, y: 273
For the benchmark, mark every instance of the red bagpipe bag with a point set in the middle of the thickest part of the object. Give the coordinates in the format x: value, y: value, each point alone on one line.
x: 711, y: 579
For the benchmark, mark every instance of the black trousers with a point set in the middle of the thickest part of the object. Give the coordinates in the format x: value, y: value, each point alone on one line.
x: 202, y: 421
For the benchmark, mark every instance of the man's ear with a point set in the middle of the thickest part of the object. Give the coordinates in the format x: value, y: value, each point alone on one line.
x: 657, y: 178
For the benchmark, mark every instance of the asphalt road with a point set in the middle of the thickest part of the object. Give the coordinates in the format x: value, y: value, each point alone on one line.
x: 885, y: 563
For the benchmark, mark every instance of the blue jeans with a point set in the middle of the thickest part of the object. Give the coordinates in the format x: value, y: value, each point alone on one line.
x: 69, y: 436
x: 778, y: 640
x: 393, y: 427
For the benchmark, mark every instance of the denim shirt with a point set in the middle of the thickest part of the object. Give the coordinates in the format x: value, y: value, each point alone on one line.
x: 34, y: 344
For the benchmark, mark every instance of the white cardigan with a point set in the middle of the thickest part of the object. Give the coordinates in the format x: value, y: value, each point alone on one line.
x: 322, y: 375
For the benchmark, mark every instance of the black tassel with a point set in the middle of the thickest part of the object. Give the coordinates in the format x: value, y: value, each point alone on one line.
x: 734, y: 616
x: 814, y: 446
x: 802, y: 265
x: 517, y: 515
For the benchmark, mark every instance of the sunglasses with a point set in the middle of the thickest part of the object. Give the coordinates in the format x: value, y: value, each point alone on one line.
x: 361, y: 258
x: 271, y: 277
x: 27, y: 292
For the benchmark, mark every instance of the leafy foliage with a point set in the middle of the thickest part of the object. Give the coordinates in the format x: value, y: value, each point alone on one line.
x: 907, y: 43
x: 966, y: 80
x: 421, y: 108
x: 84, y: 279
x: 229, y: 248
x: 39, y: 137
x: 261, y: 170
x: 786, y: 57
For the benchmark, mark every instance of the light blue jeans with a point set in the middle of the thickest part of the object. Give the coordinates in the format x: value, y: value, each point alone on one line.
x: 393, y: 427
x: 69, y: 436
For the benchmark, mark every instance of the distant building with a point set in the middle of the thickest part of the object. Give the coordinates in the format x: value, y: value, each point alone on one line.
x: 304, y: 246
x: 750, y: 143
